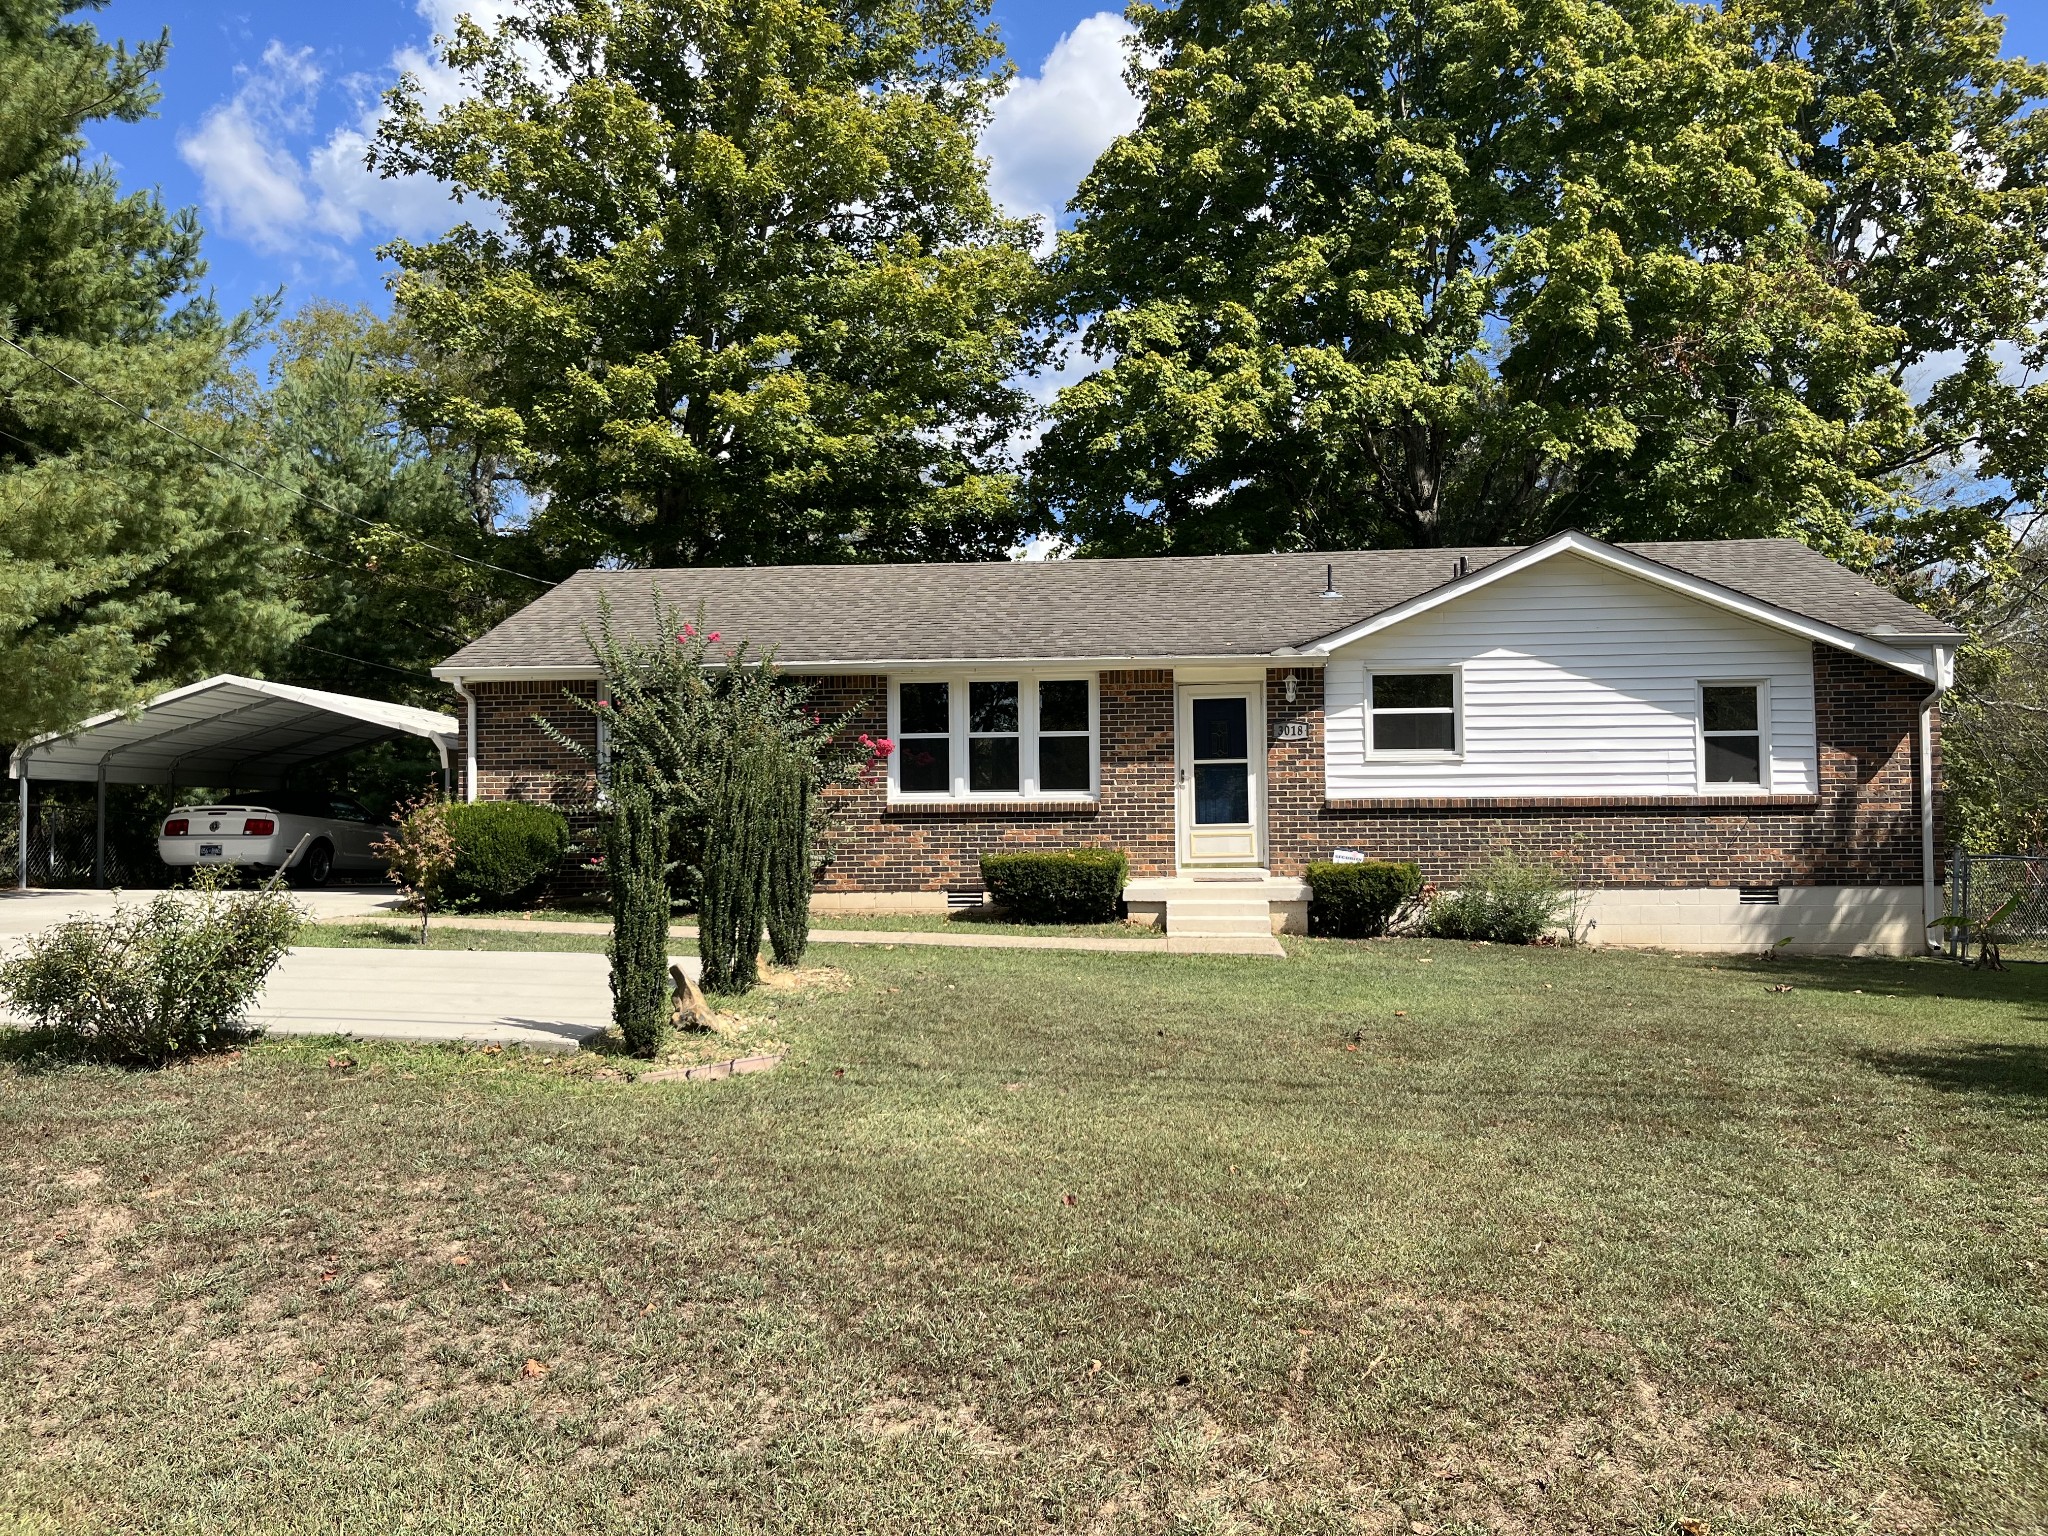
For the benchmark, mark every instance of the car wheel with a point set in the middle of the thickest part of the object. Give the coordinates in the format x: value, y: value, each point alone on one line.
x: 317, y: 867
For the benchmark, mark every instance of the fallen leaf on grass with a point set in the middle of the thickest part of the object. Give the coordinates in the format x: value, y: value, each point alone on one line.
x: 839, y: 1071
x: 1783, y: 986
x: 1066, y: 1199
x: 533, y: 1370
x: 462, y: 1258
x: 1013, y: 1087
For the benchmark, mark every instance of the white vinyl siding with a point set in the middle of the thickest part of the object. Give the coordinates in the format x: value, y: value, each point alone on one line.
x: 1574, y: 681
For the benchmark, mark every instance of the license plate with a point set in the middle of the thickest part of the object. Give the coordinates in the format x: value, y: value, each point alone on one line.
x: 210, y: 850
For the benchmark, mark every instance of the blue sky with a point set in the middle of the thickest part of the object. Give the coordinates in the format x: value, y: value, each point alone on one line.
x: 265, y: 111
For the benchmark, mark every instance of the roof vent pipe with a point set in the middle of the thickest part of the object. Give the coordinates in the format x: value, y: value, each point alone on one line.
x: 1461, y: 568
x: 1330, y: 580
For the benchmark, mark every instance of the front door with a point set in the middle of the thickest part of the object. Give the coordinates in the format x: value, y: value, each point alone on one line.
x: 1222, y: 782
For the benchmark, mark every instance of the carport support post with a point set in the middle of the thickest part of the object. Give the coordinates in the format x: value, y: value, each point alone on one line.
x: 99, y: 830
x: 21, y: 863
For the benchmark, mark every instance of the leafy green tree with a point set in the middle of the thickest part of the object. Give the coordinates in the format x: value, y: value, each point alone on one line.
x: 408, y: 541
x: 1932, y: 160
x: 129, y: 558
x: 1427, y: 272
x: 741, y: 295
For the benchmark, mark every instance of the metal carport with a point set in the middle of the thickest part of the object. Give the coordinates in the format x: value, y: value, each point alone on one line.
x: 225, y: 733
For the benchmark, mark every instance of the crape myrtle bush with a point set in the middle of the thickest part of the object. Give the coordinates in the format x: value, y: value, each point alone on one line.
x: 1357, y: 901
x: 730, y: 756
x: 169, y: 978
x: 1074, y: 885
x: 1506, y: 900
x: 504, y: 848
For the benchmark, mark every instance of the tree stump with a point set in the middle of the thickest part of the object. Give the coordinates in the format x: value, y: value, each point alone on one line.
x: 689, y: 1010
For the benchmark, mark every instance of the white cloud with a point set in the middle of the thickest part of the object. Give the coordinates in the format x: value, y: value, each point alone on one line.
x: 1045, y: 133
x: 268, y: 180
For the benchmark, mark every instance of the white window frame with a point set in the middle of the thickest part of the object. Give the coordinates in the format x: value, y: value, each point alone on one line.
x: 1027, y: 681
x: 1762, y: 685
x: 1374, y: 752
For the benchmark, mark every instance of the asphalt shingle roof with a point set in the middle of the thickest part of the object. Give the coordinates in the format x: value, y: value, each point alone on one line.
x: 1222, y: 605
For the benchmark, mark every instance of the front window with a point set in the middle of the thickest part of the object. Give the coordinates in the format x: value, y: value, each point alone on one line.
x: 994, y: 738
x: 1415, y: 713
x: 924, y: 739
x: 1731, y: 729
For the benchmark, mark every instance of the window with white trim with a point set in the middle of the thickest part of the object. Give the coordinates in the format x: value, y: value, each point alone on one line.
x: 1732, y: 748
x: 993, y: 738
x: 1413, y: 714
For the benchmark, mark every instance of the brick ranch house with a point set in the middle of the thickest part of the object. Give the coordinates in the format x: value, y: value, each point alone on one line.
x: 1724, y: 743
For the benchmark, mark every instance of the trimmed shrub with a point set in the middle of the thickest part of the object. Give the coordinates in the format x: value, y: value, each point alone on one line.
x: 504, y: 848
x: 1505, y: 901
x: 636, y: 877
x: 1357, y: 901
x: 1075, y: 885
x: 152, y: 983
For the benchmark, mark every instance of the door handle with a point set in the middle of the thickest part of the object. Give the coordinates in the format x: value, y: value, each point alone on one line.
x: 1183, y: 775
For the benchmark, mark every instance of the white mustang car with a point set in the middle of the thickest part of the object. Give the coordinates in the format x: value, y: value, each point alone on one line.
x: 264, y: 832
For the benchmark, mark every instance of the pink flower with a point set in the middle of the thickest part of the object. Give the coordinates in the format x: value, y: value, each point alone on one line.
x: 885, y: 746
x: 712, y: 637
x: 604, y: 703
x: 689, y: 632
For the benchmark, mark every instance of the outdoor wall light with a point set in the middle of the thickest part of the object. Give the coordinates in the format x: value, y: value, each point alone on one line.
x: 1289, y: 680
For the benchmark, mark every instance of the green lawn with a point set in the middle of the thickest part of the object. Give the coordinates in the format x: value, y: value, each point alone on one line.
x: 387, y: 935
x: 1569, y: 1242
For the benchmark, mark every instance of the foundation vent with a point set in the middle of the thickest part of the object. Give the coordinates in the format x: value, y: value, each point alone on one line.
x: 1759, y: 895
x: 959, y: 900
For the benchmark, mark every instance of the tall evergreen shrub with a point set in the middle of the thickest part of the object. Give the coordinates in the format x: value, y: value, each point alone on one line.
x: 636, y: 874
x: 740, y: 838
x: 789, y: 861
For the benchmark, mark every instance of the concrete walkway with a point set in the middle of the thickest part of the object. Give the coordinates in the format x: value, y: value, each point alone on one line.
x: 1165, y: 944
x: 544, y: 1001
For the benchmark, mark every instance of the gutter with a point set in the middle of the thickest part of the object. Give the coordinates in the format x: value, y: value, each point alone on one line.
x: 1930, y: 887
x: 468, y: 741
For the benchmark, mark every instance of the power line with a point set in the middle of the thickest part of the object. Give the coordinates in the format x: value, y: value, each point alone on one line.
x: 249, y: 469
x: 362, y: 662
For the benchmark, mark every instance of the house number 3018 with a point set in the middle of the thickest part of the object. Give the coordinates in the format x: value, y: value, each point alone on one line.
x: 1291, y: 730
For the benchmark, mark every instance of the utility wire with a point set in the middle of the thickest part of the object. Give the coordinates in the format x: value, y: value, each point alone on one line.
x: 249, y: 469
x: 362, y: 662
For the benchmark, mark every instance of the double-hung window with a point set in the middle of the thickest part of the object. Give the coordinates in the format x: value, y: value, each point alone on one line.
x: 993, y: 738
x: 1414, y: 714
x: 1732, y: 744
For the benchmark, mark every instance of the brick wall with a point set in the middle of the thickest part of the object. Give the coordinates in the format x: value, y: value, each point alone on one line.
x: 880, y: 847
x: 1862, y: 828
x: 514, y: 759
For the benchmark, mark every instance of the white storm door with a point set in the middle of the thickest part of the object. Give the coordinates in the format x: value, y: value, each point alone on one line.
x: 1222, y: 783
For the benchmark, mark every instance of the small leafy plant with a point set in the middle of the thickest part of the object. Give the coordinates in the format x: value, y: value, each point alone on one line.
x: 149, y: 984
x: 422, y: 854
x: 1506, y: 900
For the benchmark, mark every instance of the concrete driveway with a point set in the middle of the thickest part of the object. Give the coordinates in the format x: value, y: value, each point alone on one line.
x: 541, y: 1000
x: 26, y: 912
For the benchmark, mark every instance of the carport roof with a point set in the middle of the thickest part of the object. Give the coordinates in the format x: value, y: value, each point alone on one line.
x: 225, y: 733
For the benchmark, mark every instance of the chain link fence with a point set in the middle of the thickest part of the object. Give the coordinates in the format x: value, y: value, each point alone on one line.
x: 2000, y: 896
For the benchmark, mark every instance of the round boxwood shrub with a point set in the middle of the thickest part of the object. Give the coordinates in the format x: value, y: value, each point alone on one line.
x: 504, y: 848
x: 1074, y: 885
x: 1357, y: 901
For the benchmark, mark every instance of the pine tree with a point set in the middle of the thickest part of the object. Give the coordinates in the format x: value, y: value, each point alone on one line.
x: 635, y: 868
x: 129, y: 559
